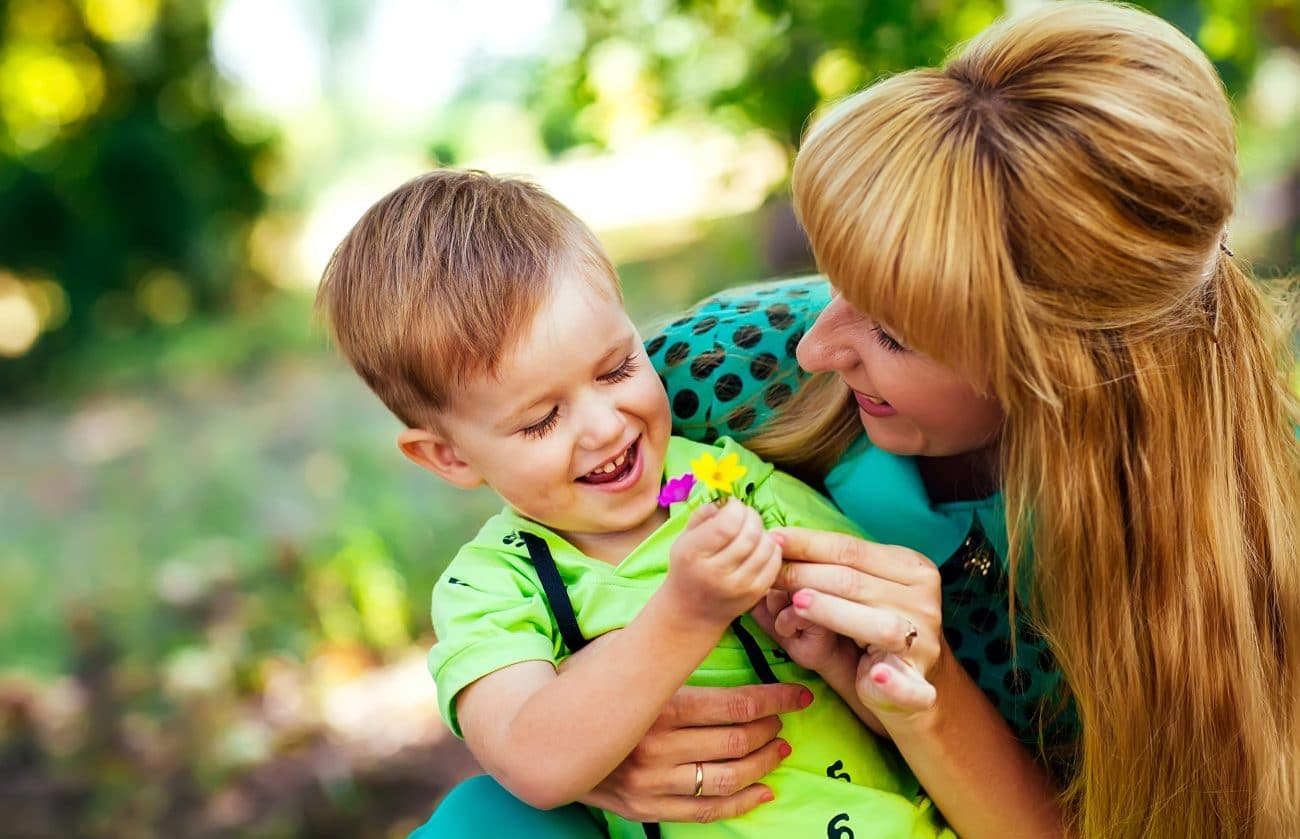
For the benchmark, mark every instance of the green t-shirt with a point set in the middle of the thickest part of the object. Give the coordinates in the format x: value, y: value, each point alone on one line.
x: 730, y: 363
x: 490, y: 610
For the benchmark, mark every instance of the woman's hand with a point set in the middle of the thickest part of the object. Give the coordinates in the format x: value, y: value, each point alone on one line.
x: 730, y: 731
x: 885, y: 598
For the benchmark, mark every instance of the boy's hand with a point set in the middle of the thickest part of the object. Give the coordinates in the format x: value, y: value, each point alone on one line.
x: 724, y: 561
x: 810, y: 645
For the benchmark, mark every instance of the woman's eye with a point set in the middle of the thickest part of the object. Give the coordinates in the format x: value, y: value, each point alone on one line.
x: 889, y: 342
x: 539, y: 429
x: 622, y: 371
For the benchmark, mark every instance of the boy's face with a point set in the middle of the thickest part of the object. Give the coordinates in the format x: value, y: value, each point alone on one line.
x: 574, y: 398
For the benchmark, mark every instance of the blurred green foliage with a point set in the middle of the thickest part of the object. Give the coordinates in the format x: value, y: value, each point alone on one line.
x: 770, y: 63
x: 125, y: 196
x: 210, y: 543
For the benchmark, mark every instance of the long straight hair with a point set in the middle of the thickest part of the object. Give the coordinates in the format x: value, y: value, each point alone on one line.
x: 1045, y: 213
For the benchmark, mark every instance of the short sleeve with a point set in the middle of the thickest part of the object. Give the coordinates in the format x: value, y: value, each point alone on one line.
x: 730, y: 362
x: 792, y: 503
x: 487, y: 614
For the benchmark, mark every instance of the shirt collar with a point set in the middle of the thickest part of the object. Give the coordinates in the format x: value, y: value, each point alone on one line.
x: 883, y: 493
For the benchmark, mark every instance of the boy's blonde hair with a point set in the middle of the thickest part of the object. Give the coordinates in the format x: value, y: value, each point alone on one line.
x: 1046, y: 213
x: 439, y: 279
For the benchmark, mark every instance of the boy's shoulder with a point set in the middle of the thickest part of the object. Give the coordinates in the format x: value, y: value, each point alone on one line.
x: 682, y: 452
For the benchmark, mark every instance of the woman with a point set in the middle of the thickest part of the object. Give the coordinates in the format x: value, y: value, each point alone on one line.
x: 1075, y: 409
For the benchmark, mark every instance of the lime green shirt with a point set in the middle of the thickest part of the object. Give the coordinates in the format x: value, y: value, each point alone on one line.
x: 490, y: 611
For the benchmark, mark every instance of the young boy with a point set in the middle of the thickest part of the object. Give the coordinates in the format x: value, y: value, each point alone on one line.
x: 490, y: 320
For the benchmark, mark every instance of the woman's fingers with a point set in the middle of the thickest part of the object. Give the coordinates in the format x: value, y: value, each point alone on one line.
x: 710, y: 743
x: 888, y: 562
x: 710, y: 808
x: 708, y: 706
x: 892, y: 683
x: 727, y: 777
x: 881, y: 628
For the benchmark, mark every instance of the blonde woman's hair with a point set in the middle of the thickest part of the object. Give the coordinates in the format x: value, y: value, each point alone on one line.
x: 1045, y: 213
x: 439, y: 279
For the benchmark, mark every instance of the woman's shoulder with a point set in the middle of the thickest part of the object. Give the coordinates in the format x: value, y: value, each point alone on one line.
x: 730, y: 361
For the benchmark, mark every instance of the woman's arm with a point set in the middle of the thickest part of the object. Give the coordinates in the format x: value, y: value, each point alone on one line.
x: 962, y: 750
x: 731, y: 730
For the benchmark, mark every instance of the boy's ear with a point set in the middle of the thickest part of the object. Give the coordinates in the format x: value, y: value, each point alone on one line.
x: 437, y: 454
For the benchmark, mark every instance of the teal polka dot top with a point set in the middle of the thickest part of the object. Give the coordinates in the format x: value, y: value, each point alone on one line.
x: 730, y: 363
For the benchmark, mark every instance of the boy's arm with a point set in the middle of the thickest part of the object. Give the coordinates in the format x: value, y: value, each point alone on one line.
x: 550, y: 738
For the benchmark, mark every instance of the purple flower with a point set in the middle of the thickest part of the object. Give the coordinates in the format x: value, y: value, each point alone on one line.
x: 676, y: 490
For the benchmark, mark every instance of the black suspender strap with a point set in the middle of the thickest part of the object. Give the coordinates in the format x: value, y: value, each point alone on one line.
x: 754, y: 653
x: 556, y: 594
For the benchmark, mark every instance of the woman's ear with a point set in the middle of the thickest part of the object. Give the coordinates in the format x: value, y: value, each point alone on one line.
x: 438, y: 454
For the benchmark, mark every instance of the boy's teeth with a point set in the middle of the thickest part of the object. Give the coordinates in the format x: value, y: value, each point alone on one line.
x: 611, y: 466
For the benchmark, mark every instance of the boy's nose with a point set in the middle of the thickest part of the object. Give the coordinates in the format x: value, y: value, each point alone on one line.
x: 604, y: 424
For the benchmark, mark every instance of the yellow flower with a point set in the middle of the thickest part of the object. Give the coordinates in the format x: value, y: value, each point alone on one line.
x: 718, y: 475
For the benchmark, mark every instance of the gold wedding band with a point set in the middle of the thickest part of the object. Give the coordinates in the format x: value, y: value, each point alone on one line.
x: 699, y: 779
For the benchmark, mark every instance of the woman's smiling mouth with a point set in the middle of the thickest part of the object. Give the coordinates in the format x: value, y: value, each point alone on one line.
x: 874, y: 405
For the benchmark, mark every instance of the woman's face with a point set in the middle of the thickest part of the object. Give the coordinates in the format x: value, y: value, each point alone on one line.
x: 909, y: 403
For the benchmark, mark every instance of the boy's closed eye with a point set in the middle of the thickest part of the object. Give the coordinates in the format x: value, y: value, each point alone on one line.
x: 622, y: 372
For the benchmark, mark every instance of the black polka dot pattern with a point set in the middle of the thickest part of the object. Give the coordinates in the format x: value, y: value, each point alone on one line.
x: 741, y: 418
x: 732, y: 352
x: 705, y: 363
x: 685, y: 404
x: 727, y: 387
x: 747, y: 336
x: 1020, y: 682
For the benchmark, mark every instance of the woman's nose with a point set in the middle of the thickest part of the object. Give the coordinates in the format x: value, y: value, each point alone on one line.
x: 825, y: 346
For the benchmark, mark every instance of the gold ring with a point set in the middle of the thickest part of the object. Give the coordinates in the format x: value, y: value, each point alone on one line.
x: 699, y: 779
x: 911, y: 635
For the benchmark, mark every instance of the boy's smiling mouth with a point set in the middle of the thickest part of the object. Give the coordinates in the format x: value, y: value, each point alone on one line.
x: 614, y: 469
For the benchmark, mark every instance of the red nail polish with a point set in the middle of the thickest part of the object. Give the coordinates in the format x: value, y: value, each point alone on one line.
x: 802, y: 599
x: 880, y: 677
x: 805, y: 698
x: 766, y: 797
x: 784, y: 749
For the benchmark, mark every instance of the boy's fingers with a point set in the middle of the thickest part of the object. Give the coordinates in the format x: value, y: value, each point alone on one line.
x: 716, y: 527
x: 788, y: 623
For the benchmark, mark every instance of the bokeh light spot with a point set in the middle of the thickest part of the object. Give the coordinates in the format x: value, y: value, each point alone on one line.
x: 120, y: 20
x: 20, y: 322
x: 164, y: 297
x: 1219, y: 37
x: 836, y: 73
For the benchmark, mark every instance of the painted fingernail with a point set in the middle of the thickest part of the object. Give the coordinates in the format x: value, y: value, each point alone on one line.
x: 779, y: 538
x: 802, y: 599
x: 880, y: 677
x: 784, y: 749
x: 805, y: 698
x: 766, y: 797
